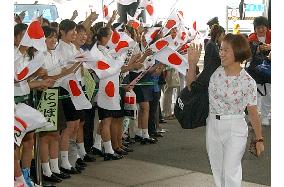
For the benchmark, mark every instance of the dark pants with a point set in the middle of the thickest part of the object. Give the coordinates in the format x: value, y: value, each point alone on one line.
x: 89, y: 128
x: 152, y: 121
x: 123, y: 10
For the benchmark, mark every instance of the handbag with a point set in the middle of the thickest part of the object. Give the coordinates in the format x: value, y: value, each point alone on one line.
x: 192, y: 106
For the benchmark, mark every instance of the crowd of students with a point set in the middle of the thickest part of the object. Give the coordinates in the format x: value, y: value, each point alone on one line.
x: 65, y: 151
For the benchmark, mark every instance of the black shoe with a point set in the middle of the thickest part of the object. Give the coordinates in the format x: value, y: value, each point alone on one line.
x: 89, y: 158
x: 113, y: 156
x: 162, y: 121
x: 70, y: 171
x: 125, y: 143
x: 138, y: 138
x: 79, y: 168
x: 80, y: 162
x: 157, y: 135
x: 127, y: 149
x: 96, y: 151
x: 62, y: 175
x: 52, y: 178
x: 149, y: 140
x: 121, y: 151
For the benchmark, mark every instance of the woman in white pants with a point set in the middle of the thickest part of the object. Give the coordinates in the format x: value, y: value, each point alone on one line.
x: 231, y: 90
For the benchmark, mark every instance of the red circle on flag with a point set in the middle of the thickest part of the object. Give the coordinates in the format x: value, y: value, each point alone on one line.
x: 170, y: 23
x: 121, y: 44
x: 74, y: 88
x: 105, y: 11
x: 35, y: 31
x: 161, y: 44
x: 23, y: 73
x: 150, y: 9
x: 153, y: 35
x: 101, y: 65
x: 174, y: 59
x: 183, y: 35
x: 109, y: 89
x: 194, y: 25
x: 135, y: 24
x: 115, y: 37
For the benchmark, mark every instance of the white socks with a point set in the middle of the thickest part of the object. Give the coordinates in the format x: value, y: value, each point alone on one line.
x: 139, y: 132
x: 108, y: 147
x: 145, y: 133
x: 81, y: 150
x: 98, y: 142
x: 53, y: 163
x: 46, y: 169
x: 64, y: 160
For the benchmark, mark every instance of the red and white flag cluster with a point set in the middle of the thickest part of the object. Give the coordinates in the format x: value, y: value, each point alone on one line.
x: 119, y: 43
x: 34, y: 36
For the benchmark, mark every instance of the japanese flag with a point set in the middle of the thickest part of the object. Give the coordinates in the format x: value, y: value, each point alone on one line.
x: 76, y: 93
x: 151, y: 34
x: 120, y: 42
x: 133, y: 21
x: 26, y: 119
x: 108, y: 94
x: 175, y: 19
x: 23, y: 71
x: 173, y: 59
x: 148, y: 5
x: 182, y: 36
x: 34, y: 37
x: 104, y: 66
x: 163, y: 42
x: 106, y: 10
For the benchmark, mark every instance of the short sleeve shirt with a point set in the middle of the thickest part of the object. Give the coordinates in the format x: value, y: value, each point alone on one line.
x: 229, y: 95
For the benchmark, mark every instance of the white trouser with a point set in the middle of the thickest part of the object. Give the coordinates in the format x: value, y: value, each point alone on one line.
x: 182, y: 81
x: 264, y: 102
x: 226, y: 142
x: 167, y: 100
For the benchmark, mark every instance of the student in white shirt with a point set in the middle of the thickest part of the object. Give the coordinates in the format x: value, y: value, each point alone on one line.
x: 83, y: 156
x: 23, y: 87
x: 231, y: 90
x: 49, y: 140
x: 108, y: 97
x: 66, y: 50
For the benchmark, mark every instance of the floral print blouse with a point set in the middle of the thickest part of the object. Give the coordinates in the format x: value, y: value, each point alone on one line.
x: 229, y: 95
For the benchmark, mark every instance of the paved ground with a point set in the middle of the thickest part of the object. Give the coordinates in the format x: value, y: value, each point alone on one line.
x: 179, y: 159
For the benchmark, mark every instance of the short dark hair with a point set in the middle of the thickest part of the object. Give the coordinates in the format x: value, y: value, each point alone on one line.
x: 54, y: 24
x: 44, y: 20
x: 48, y: 31
x: 102, y: 32
x: 216, y: 31
x: 80, y: 28
x: 240, y: 45
x: 66, y: 25
x: 19, y: 28
x: 260, y: 21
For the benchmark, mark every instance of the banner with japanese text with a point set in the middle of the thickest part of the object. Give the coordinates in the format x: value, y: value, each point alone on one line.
x: 48, y: 106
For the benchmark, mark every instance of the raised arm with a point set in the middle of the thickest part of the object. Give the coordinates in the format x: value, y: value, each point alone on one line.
x: 193, y: 52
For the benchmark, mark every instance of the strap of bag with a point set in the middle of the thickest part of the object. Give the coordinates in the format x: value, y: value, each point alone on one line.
x: 262, y: 94
x: 204, y: 76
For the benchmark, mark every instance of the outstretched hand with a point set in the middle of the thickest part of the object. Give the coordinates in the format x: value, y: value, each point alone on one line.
x: 194, y: 52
